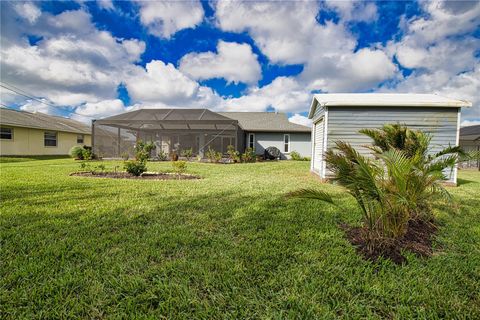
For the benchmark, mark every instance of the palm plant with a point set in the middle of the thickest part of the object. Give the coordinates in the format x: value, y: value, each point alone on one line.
x: 428, y: 169
x: 397, y: 184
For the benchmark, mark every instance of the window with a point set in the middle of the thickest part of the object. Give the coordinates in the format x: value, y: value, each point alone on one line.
x: 80, y: 138
x: 50, y: 139
x: 251, y: 140
x: 6, y: 133
x: 286, y: 143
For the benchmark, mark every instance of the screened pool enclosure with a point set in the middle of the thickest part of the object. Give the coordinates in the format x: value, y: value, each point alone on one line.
x: 171, y: 130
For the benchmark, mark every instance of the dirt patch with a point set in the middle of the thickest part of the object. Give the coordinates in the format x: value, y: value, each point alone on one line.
x: 144, y: 176
x: 418, y: 240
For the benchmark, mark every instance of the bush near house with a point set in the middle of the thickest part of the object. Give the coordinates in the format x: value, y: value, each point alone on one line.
x: 187, y: 153
x: 213, y: 156
x: 294, y: 155
x: 76, y: 152
x: 249, y: 155
x: 142, y: 154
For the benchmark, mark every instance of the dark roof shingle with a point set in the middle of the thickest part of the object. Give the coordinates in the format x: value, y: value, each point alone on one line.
x: 265, y: 121
x: 39, y: 120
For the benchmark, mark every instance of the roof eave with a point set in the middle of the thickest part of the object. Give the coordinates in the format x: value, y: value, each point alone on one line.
x: 463, y: 104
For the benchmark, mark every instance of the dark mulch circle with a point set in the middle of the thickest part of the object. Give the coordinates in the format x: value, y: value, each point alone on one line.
x: 418, y: 239
x: 144, y: 176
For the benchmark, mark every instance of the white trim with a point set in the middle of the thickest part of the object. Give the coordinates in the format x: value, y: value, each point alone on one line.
x: 289, y: 142
x: 248, y: 143
x: 325, y: 133
x: 312, y: 143
x: 457, y: 142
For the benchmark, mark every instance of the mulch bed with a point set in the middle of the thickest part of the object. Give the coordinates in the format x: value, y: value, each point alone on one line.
x: 144, y: 176
x: 418, y: 240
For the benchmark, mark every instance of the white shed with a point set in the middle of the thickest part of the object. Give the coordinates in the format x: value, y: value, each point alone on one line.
x: 340, y: 117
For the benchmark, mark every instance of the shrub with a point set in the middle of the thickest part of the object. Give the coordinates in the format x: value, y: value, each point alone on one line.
x: 249, y: 155
x: 142, y: 150
x: 76, y: 152
x: 213, y: 156
x: 399, y: 184
x: 294, y: 155
x: 162, y: 155
x: 187, y: 153
x: 87, y: 154
x: 233, y: 154
x: 125, y: 156
x: 179, y: 166
x: 135, y: 167
x: 272, y: 153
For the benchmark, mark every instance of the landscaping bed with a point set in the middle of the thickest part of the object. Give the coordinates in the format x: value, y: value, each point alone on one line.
x: 418, y: 240
x: 144, y: 176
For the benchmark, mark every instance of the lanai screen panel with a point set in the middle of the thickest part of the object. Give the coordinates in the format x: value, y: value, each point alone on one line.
x: 171, y: 130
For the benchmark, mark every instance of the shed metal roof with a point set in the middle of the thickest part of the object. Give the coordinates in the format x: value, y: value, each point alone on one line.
x: 37, y: 120
x: 265, y: 122
x: 384, y: 100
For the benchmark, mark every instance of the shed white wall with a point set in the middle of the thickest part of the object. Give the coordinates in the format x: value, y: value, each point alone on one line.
x: 343, y: 123
x: 299, y: 141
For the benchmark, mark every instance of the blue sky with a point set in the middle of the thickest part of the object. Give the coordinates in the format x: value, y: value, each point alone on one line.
x: 97, y: 58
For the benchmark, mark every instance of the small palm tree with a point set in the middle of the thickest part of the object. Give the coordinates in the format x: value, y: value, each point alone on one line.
x: 398, y: 183
x: 429, y: 169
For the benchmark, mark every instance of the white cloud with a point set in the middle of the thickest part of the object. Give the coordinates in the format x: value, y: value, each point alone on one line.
x: 442, y: 55
x: 160, y: 82
x: 165, y: 18
x: 37, y: 106
x: 101, y: 109
x: 284, y: 94
x: 28, y: 11
x: 468, y: 123
x: 234, y: 62
x: 289, y: 33
x: 361, y: 70
x: 354, y: 10
x: 106, y: 4
x: 299, y: 119
x: 73, y: 63
x: 282, y: 30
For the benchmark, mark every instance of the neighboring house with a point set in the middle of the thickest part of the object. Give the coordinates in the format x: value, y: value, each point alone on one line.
x: 26, y: 134
x: 269, y: 129
x: 174, y: 130
x: 340, y: 117
x: 470, y: 141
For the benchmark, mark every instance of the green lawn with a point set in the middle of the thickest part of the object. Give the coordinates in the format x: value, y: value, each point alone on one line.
x: 226, y: 246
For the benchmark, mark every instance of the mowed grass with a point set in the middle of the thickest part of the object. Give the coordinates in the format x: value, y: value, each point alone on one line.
x: 227, y: 246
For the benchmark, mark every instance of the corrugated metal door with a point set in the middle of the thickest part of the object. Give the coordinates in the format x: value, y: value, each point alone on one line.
x: 318, y: 146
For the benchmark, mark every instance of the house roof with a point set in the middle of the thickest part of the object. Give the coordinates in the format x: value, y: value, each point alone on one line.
x: 470, y: 133
x: 384, y: 100
x: 39, y: 120
x: 265, y: 122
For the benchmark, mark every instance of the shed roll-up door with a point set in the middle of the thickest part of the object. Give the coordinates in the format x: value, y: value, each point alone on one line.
x: 318, y: 146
